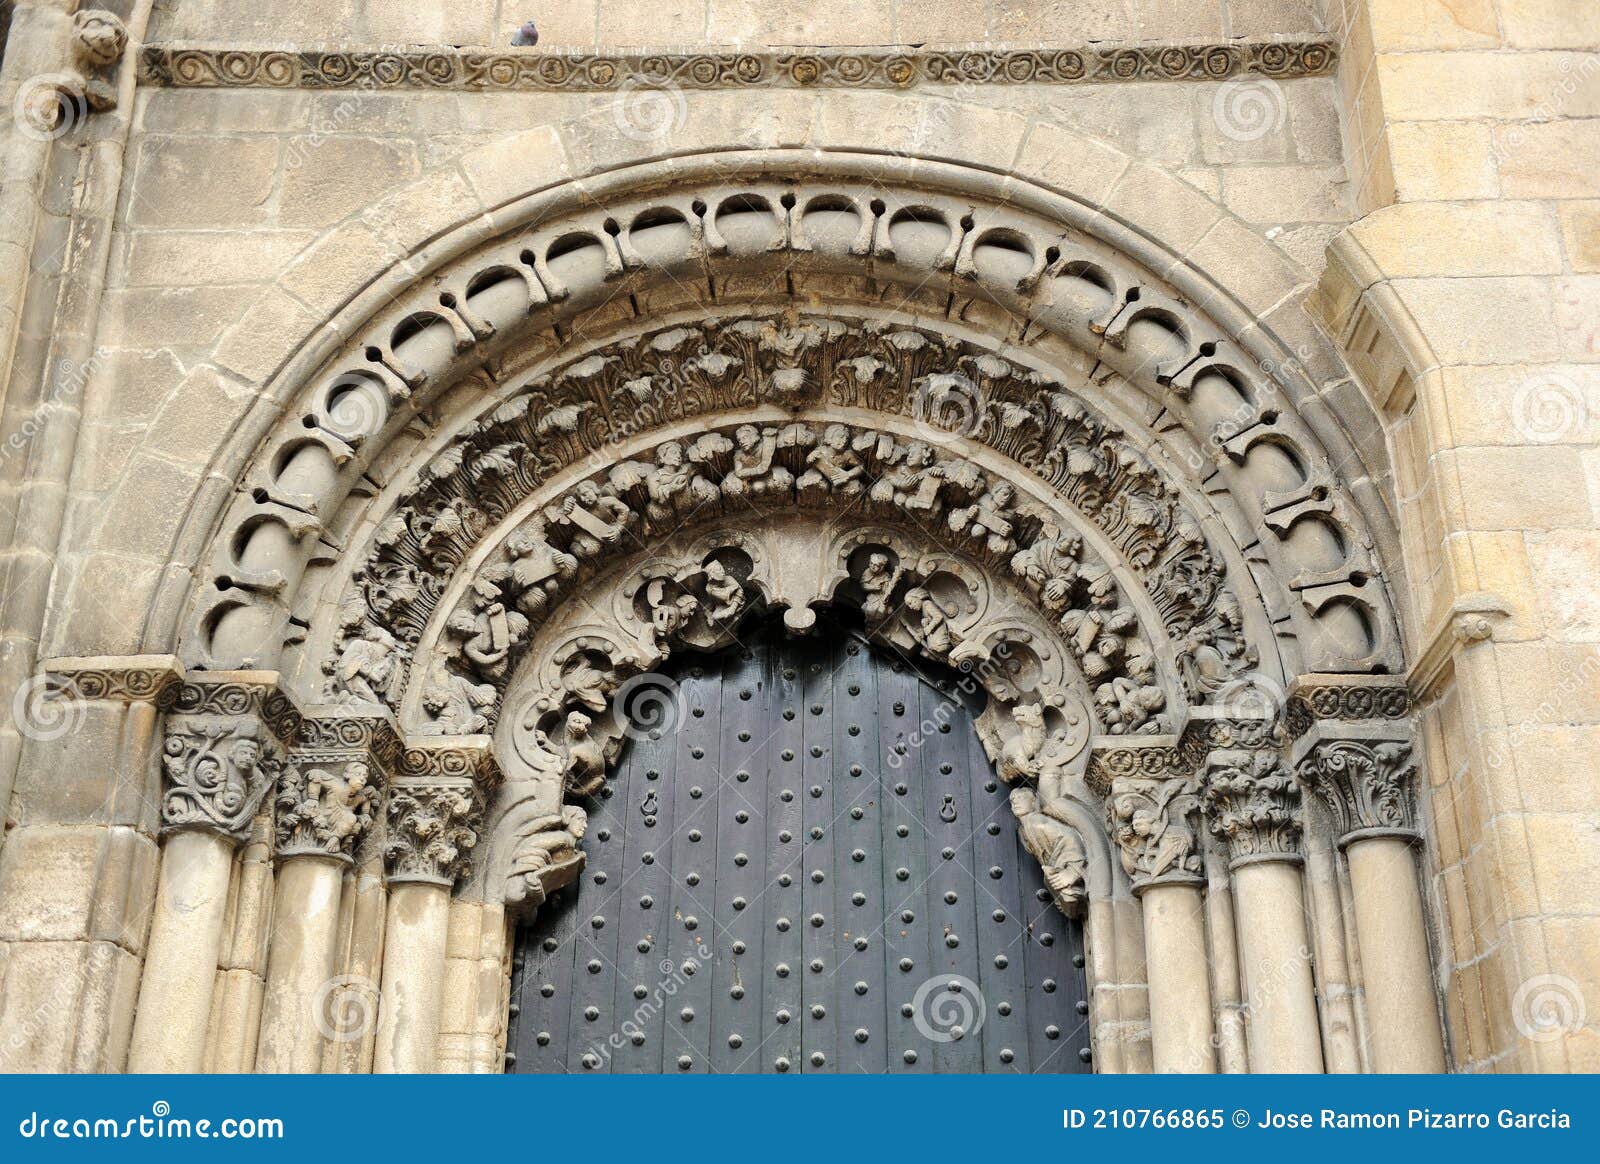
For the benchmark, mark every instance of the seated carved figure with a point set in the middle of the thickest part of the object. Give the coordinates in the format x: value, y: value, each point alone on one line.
x: 547, y: 856
x: 754, y: 474
x: 833, y: 467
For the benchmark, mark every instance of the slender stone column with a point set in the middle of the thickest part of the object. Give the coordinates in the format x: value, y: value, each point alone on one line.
x: 431, y: 828
x: 1253, y: 805
x: 217, y: 770
x: 1153, y: 805
x: 1366, y: 780
x: 323, y: 812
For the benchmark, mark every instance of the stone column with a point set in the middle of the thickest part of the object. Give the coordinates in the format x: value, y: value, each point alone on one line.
x: 1253, y: 804
x: 1153, y: 806
x: 217, y: 770
x: 432, y: 825
x: 324, y: 808
x: 1363, y: 770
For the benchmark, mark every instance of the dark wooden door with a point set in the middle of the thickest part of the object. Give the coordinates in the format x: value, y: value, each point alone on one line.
x: 816, y: 870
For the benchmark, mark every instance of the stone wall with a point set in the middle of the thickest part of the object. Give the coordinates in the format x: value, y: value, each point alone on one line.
x: 586, y: 23
x: 1467, y: 299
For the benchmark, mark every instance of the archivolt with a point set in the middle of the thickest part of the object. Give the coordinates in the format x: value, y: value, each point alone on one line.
x: 439, y: 372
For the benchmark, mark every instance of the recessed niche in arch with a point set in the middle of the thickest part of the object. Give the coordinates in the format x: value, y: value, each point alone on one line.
x: 831, y: 225
x: 919, y: 235
x: 1216, y: 399
x: 660, y: 236
x: 747, y: 224
x: 1002, y: 256
x: 1313, y: 544
x: 1347, y: 629
x: 577, y: 260
x: 1269, y: 467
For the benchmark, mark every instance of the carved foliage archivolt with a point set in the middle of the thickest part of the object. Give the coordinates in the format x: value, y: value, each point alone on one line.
x: 952, y: 388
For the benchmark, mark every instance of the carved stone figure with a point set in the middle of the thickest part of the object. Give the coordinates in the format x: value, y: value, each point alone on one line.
x: 674, y: 488
x: 670, y: 611
x: 592, y: 519
x: 878, y: 579
x: 989, y: 519
x: 1097, y: 631
x: 323, y: 811
x: 754, y: 474
x: 369, y: 668
x: 538, y: 569
x: 585, y: 771
x: 456, y: 705
x: 725, y: 593
x: 833, y: 467
x: 1018, y: 761
x: 1155, y: 824
x: 1054, y: 842
x: 928, y: 622
x: 1050, y: 565
x: 914, y: 482
x: 547, y: 856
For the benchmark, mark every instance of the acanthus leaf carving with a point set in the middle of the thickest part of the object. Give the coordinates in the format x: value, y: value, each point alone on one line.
x: 1253, y: 804
x: 432, y: 829
x: 1366, y: 784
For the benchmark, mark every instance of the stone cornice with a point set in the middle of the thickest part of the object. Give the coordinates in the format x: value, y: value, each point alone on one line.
x: 378, y: 67
x: 114, y: 678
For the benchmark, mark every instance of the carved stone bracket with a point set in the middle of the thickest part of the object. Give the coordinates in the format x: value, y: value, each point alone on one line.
x: 1152, y: 798
x: 1353, y: 750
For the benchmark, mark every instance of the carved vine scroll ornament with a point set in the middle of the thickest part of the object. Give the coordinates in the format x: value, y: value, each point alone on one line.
x: 217, y: 775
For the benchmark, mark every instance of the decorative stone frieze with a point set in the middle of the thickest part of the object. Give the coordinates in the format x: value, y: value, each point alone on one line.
x: 115, y: 678
x: 1253, y: 805
x: 444, y: 67
x: 1152, y: 800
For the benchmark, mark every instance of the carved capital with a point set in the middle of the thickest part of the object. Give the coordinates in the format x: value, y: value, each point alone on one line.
x: 1253, y: 805
x: 217, y: 772
x: 433, y: 827
x: 1367, y: 784
x: 338, y: 767
x: 1156, y: 824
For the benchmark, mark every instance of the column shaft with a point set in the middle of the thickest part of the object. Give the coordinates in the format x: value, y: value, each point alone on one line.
x: 412, y: 990
x: 1276, y: 954
x: 1402, y: 1012
x: 180, y: 971
x: 300, y: 965
x: 1180, y: 988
